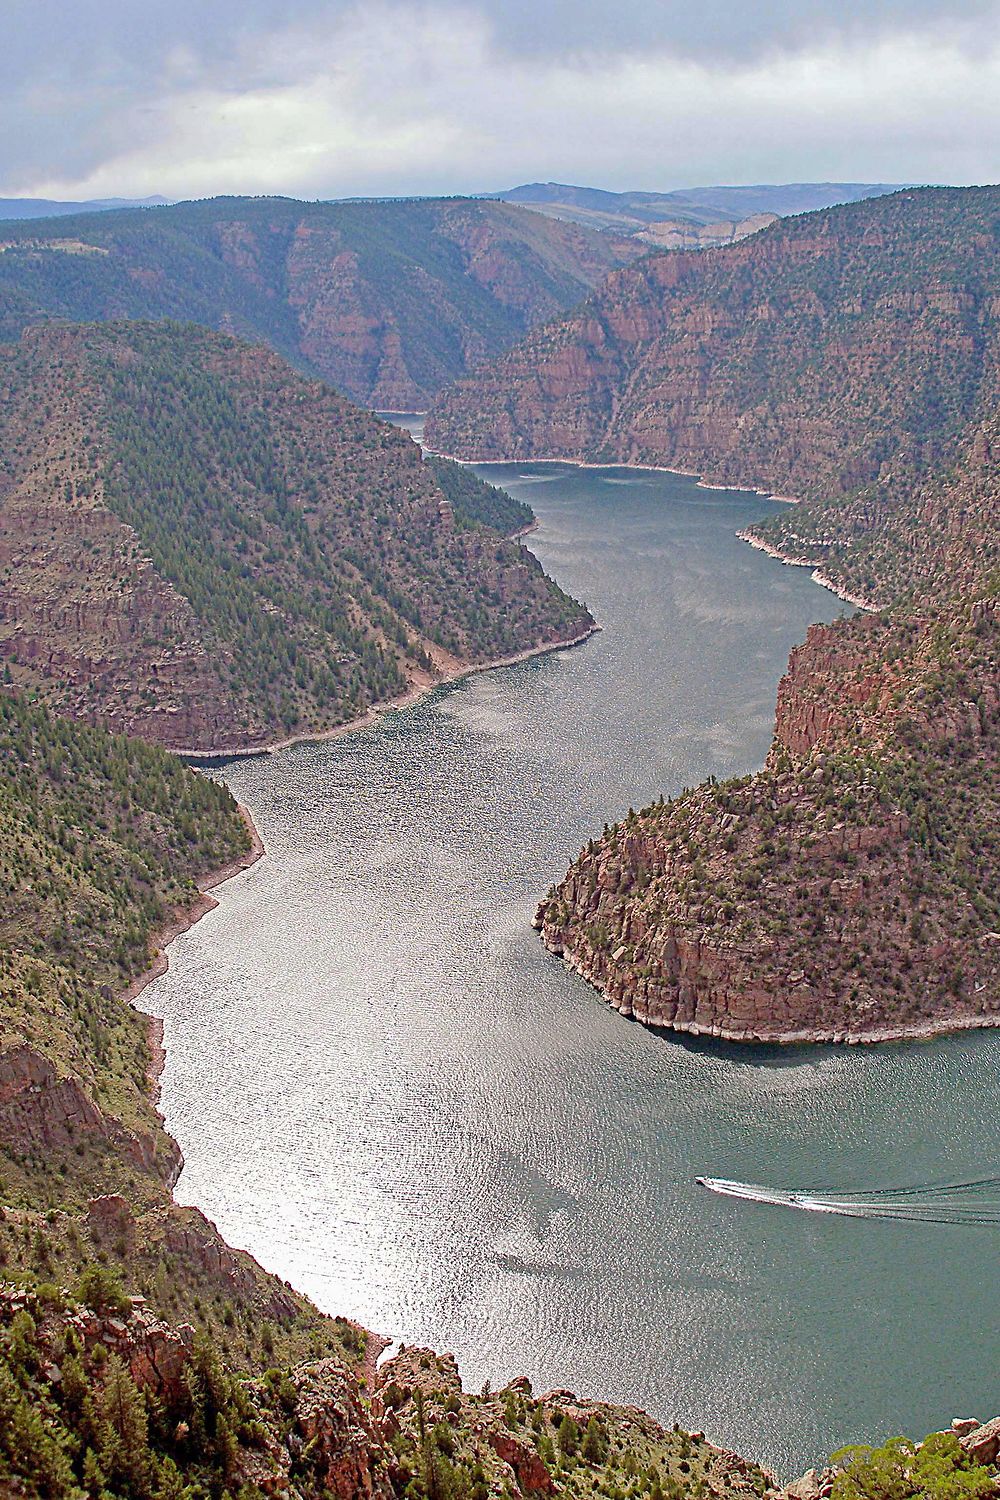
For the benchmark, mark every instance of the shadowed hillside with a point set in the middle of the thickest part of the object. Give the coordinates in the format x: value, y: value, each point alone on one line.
x: 387, y: 301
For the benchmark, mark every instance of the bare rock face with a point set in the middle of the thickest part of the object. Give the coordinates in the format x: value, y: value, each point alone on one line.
x: 39, y: 1108
x: 532, y: 1475
x: 982, y: 1444
x: 42, y: 1108
x: 348, y: 1457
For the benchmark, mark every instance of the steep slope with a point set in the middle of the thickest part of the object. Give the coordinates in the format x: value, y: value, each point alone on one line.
x: 839, y: 349
x: 200, y: 546
x: 142, y: 1410
x: 388, y: 301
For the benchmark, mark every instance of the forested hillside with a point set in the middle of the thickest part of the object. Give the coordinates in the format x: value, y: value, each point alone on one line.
x: 203, y: 547
x: 388, y: 301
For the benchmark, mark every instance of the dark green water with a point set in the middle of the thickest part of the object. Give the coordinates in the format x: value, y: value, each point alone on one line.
x: 388, y: 1091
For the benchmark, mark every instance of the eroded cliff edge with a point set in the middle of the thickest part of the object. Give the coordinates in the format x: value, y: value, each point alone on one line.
x: 846, y: 892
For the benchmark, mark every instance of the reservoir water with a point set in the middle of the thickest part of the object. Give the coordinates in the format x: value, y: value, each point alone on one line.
x: 389, y: 1092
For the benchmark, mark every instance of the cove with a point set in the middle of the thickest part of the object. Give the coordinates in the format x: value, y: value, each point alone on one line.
x: 389, y: 1092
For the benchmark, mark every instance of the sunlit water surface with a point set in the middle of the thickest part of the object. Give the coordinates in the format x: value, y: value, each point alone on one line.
x: 388, y: 1091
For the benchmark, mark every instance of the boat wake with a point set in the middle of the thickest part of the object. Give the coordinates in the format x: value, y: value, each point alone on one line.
x: 976, y: 1202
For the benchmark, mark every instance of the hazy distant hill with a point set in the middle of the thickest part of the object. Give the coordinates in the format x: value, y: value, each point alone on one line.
x: 50, y: 208
x: 389, y: 301
x: 688, y: 218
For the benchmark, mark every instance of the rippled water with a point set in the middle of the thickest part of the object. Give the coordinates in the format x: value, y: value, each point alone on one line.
x: 388, y: 1091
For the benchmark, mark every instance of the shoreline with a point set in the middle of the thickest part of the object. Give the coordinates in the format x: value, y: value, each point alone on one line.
x: 818, y: 576
x: 582, y: 463
x: 377, y: 711
x: 183, y: 919
x: 805, y: 1037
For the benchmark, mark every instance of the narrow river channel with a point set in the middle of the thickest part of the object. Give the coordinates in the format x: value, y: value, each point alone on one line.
x: 388, y: 1091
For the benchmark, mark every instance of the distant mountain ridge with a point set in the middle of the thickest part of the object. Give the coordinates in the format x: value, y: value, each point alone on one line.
x: 688, y: 218
x: 388, y: 301
x: 46, y: 208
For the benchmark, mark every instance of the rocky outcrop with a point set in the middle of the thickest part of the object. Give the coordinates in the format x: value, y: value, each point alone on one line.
x: 510, y: 1439
x: 326, y: 1445
x: 982, y: 1442
x: 844, y: 893
x: 348, y: 1455
x: 41, y: 1108
x: 155, y: 1354
x: 532, y: 1475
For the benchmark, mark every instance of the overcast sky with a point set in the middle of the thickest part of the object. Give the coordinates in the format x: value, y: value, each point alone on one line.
x: 325, y: 98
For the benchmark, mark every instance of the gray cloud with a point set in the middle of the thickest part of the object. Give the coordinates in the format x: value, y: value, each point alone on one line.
x: 196, y: 96
x: 726, y: 29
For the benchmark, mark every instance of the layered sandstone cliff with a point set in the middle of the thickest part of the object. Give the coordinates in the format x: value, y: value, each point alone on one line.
x: 824, y: 353
x: 847, y: 892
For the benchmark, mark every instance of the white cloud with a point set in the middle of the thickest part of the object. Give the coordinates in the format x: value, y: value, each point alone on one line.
x: 397, y: 98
